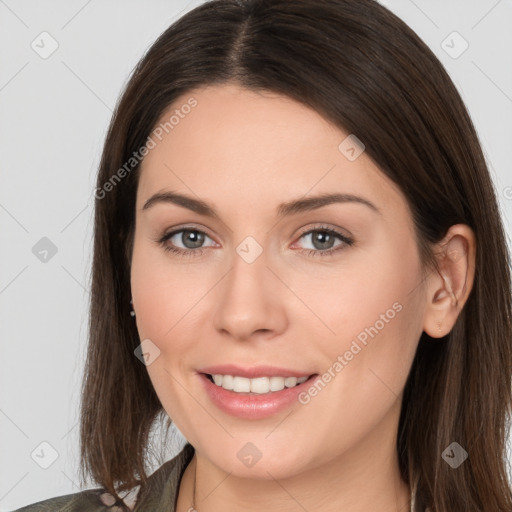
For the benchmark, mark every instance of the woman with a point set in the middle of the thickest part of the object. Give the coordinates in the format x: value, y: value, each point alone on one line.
x: 298, y: 258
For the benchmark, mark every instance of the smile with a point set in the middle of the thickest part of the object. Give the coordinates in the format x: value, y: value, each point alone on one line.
x: 258, y: 385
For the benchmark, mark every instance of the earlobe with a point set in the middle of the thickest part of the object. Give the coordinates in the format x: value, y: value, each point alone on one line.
x: 450, y: 285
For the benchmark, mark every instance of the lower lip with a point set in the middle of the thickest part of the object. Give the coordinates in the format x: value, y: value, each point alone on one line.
x: 253, y: 406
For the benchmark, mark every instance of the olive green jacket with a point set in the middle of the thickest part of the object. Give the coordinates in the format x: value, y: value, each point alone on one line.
x: 159, y: 494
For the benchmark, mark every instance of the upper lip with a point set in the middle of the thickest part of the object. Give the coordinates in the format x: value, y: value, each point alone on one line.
x: 253, y: 372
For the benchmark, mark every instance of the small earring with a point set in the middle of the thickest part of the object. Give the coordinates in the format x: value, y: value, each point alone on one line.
x: 132, y: 312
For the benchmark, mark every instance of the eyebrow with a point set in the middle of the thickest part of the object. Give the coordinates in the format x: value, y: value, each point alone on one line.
x: 283, y: 210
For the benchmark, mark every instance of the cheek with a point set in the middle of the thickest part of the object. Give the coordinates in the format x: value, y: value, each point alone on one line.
x: 375, y: 314
x: 160, y: 304
x: 155, y: 292
x: 166, y: 295
x: 365, y: 294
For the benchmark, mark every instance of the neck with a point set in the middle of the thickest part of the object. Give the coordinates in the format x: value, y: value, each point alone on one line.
x: 366, y: 477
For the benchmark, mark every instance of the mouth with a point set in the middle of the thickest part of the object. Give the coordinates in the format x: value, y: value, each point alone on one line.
x: 256, y: 397
x: 254, y: 392
x: 256, y: 386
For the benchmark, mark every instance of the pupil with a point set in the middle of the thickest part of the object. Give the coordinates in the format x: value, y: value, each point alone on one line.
x: 324, y: 238
x: 199, y: 239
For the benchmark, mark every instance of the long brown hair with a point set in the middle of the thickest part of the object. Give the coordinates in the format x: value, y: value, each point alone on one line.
x: 365, y: 70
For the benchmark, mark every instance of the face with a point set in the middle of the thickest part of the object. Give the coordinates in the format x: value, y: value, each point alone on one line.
x: 326, y: 289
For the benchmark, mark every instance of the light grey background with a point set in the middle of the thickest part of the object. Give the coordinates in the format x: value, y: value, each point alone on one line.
x: 54, y: 114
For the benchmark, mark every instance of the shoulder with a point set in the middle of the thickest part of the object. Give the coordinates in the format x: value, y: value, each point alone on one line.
x: 85, y: 501
x: 161, y: 485
x: 161, y: 490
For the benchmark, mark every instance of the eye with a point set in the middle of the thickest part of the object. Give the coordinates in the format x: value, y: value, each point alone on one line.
x: 323, y: 239
x: 191, y: 239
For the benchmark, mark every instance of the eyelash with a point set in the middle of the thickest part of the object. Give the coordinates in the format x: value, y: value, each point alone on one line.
x: 347, y: 242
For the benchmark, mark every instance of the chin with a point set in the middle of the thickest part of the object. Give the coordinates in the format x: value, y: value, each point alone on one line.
x: 257, y: 458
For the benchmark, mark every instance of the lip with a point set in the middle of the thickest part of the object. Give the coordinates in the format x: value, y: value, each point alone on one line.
x: 253, y: 372
x: 253, y: 406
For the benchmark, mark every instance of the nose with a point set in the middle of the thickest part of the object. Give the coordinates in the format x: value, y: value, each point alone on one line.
x: 251, y: 301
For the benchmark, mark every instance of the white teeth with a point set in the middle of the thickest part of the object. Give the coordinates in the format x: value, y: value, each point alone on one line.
x: 276, y: 383
x: 290, y: 381
x: 258, y: 385
x: 227, y: 381
x: 241, y: 384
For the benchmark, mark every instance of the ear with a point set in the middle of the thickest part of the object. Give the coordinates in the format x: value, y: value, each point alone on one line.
x: 449, y: 287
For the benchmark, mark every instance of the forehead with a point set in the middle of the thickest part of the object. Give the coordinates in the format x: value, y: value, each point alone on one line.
x: 252, y: 150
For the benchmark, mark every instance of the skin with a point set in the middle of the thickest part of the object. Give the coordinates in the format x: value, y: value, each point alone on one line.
x: 245, y: 153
